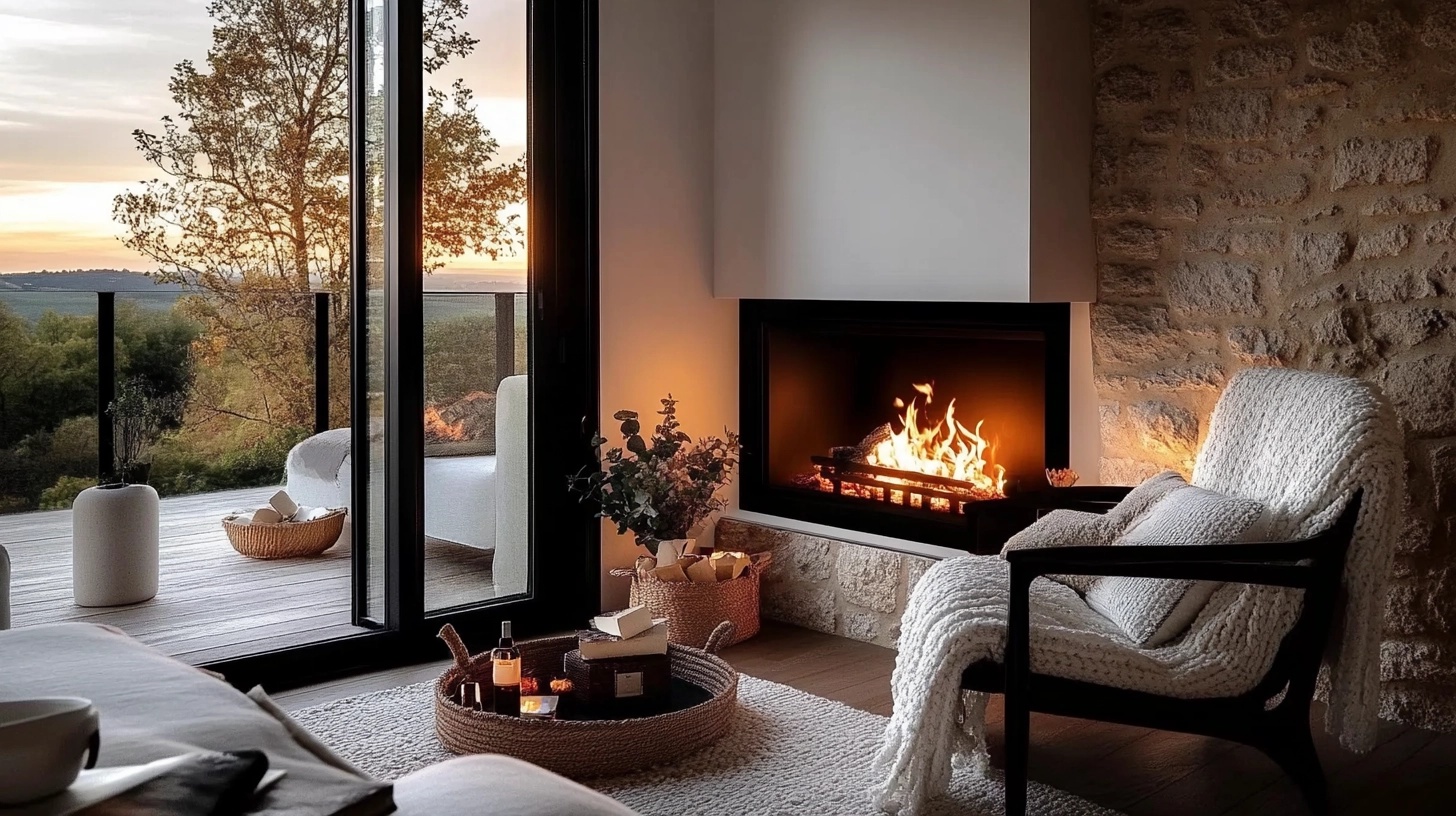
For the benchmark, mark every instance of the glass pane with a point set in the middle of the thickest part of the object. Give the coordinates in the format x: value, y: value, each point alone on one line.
x: 476, y: 322
x: 48, y: 450
x: 373, y: 320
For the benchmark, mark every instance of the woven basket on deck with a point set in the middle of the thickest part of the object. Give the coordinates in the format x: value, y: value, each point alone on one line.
x: 585, y: 748
x: 693, y: 610
x: 293, y: 539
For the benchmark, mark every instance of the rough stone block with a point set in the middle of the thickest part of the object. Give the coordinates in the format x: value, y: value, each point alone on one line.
x: 1215, y: 289
x: 1127, y: 471
x: 1204, y: 375
x: 797, y: 557
x: 1197, y: 167
x: 915, y: 567
x: 1160, y: 123
x: 1409, y: 326
x: 1132, y: 335
x: 1312, y: 86
x: 1119, y: 205
x: 1181, y: 207
x: 1143, y: 161
x: 1438, y: 29
x: 1321, y: 253
x: 808, y: 605
x: 1442, y: 459
x: 860, y: 626
x: 1423, y: 391
x: 868, y: 577
x: 1133, y: 239
x: 1231, y: 115
x: 1442, y: 232
x: 1251, y: 61
x: 1244, y: 155
x: 1384, y: 243
x: 1278, y: 191
x: 1127, y: 85
x: 1164, y: 430
x: 1117, y: 281
x: 1364, y: 46
x: 1406, y: 205
x: 1238, y: 19
x: 1418, y: 659
x: 1166, y: 32
x: 1256, y: 345
x: 1360, y: 161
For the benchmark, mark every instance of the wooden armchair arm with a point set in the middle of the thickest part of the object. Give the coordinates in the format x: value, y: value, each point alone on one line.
x: 1270, y: 564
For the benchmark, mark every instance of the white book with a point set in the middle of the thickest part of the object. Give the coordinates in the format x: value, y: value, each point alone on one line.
x: 627, y: 623
x: 596, y: 645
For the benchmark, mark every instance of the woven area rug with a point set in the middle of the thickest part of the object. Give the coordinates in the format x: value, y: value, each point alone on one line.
x: 789, y: 752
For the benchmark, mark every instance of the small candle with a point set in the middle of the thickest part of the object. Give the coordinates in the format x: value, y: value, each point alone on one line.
x: 530, y: 685
x: 539, y: 706
x: 561, y: 686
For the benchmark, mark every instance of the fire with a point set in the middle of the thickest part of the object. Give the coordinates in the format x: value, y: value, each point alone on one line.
x: 437, y: 429
x: 947, y: 448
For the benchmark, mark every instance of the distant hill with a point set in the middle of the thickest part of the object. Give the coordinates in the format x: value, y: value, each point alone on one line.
x: 32, y: 294
x: 84, y: 280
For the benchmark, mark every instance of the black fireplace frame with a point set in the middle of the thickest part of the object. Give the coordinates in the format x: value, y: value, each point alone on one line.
x: 758, y: 494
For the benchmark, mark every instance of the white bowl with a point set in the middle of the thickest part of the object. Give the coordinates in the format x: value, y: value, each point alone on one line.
x: 42, y: 743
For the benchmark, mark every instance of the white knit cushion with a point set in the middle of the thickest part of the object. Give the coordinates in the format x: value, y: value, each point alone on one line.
x: 1153, y: 611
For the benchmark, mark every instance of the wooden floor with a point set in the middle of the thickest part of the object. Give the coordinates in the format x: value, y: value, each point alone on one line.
x: 214, y: 604
x: 1134, y: 770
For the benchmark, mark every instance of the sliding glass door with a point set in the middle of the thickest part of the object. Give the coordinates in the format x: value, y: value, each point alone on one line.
x: 475, y: 356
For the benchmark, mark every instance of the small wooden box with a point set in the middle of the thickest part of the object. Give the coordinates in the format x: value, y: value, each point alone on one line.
x: 619, y: 686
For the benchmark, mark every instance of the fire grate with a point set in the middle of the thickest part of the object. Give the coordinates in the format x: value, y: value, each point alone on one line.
x: 916, y: 491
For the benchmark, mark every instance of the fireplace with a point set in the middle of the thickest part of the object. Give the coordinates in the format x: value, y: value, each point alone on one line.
x: 897, y: 418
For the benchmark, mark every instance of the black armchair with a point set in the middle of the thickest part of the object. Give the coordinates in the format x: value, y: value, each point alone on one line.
x: 1280, y: 729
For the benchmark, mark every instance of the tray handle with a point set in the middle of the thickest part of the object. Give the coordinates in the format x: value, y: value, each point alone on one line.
x: 722, y: 633
x: 457, y: 647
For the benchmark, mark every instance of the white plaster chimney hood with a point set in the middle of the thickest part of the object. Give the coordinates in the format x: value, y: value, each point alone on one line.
x: 903, y: 150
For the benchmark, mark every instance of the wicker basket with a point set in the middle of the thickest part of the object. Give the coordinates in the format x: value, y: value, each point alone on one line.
x: 693, y: 610
x: 294, y: 539
x: 585, y: 748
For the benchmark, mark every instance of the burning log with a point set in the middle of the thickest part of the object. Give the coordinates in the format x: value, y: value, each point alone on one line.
x: 866, y: 447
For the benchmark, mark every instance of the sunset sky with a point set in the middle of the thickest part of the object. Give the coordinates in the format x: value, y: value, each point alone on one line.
x: 78, y: 76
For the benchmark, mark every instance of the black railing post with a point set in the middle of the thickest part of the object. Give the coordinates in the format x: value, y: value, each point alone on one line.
x: 105, y: 385
x: 505, y: 335
x: 320, y: 362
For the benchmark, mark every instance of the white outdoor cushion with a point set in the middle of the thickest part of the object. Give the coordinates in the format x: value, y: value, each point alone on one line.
x: 1153, y: 611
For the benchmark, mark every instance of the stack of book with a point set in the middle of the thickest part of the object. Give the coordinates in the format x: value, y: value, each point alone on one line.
x: 620, y: 665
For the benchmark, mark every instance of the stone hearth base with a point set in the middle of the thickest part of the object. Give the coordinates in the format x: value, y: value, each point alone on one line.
x: 829, y: 585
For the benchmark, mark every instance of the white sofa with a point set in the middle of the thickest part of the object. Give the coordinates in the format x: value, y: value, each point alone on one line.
x: 477, y: 501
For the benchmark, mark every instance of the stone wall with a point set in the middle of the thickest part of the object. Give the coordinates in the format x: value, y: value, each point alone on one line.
x: 827, y: 585
x: 1274, y: 185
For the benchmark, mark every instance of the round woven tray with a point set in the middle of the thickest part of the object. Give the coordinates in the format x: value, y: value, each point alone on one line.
x: 294, y: 539
x: 585, y: 748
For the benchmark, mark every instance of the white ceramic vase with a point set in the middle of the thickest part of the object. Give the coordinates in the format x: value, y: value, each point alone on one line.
x: 114, y: 545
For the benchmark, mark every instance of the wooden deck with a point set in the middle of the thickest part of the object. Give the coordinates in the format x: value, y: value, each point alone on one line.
x: 214, y: 604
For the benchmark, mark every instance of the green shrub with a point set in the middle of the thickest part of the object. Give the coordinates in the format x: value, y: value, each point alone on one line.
x: 63, y: 493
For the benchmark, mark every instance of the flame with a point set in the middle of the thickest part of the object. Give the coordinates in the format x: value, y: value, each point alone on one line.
x: 437, y: 429
x: 946, y: 448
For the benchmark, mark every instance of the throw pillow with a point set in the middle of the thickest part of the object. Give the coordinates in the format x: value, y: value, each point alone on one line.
x: 1153, y: 611
x: 1067, y: 528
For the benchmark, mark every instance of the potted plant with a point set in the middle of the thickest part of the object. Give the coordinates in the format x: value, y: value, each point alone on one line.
x: 661, y: 487
x: 115, y: 537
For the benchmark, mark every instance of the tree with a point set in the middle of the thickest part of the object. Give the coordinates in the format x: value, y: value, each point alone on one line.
x: 252, y: 208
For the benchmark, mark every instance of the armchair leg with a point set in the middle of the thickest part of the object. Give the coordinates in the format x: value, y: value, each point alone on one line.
x: 1296, y: 755
x: 1018, y: 740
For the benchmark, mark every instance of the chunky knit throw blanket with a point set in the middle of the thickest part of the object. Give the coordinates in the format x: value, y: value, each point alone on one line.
x: 1300, y: 442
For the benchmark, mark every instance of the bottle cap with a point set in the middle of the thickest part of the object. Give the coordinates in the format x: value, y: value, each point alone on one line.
x: 505, y: 629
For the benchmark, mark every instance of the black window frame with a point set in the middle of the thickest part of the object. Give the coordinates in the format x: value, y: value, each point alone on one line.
x: 564, y: 361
